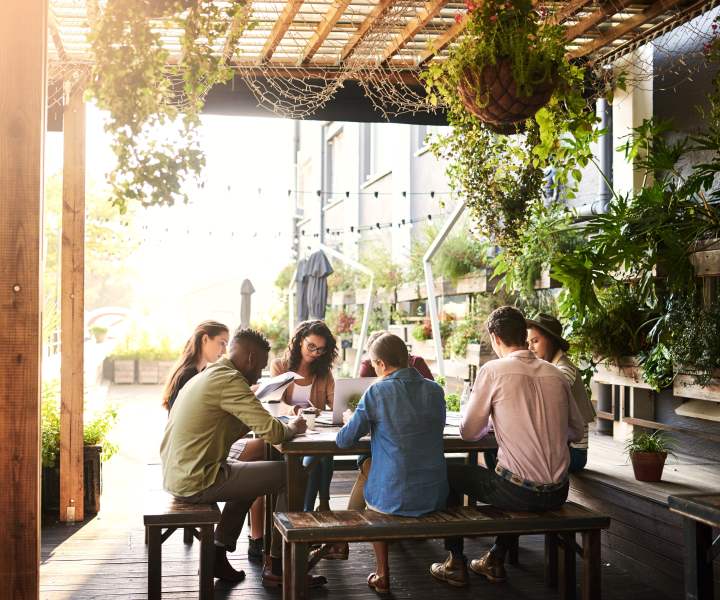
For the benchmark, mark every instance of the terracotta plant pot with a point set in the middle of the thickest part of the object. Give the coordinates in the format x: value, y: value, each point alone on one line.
x: 648, y: 466
x: 491, y: 95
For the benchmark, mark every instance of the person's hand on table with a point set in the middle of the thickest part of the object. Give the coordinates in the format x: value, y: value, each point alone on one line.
x: 298, y: 424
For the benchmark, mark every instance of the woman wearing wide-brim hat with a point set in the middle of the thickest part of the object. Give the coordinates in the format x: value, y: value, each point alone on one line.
x: 546, y: 341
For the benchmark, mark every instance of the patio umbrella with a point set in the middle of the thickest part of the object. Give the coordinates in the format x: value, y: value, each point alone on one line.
x: 301, y: 289
x: 318, y: 269
x: 246, y: 292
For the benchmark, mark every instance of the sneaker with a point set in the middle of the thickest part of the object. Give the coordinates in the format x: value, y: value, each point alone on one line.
x: 255, y: 549
x: 489, y: 567
x: 452, y: 571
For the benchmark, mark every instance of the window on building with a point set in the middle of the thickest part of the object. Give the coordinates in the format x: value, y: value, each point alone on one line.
x: 377, y: 147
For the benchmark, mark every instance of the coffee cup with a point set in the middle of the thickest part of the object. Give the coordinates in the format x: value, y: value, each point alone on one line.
x: 309, y: 416
x: 273, y: 407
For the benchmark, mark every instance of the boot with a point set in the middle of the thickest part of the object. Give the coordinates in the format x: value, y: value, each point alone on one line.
x: 255, y: 549
x: 222, y: 568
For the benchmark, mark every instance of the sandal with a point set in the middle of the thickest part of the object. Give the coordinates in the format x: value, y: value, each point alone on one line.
x: 378, y: 584
x: 328, y: 552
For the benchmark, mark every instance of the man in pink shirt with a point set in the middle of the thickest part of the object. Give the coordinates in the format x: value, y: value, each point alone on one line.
x: 530, y: 405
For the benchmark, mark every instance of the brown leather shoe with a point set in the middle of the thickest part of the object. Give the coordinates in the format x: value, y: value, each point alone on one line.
x: 452, y: 571
x: 490, y: 567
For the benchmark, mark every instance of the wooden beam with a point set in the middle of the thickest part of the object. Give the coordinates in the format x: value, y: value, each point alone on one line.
x: 568, y: 11
x: 624, y: 28
x: 606, y: 10
x: 280, y: 28
x: 442, y: 41
x: 415, y: 26
x: 329, y: 20
x: 377, y: 12
x: 55, y: 35
x: 23, y: 55
x: 72, y: 322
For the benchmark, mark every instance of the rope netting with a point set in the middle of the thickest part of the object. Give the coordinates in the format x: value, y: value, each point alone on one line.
x: 382, y: 62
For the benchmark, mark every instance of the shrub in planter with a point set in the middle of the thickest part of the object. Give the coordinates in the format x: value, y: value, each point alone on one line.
x: 648, y: 452
x: 98, y: 333
x: 96, y: 443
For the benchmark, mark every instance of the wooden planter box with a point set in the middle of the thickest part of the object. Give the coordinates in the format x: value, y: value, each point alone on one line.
x: 476, y: 355
x: 473, y: 284
x: 92, y: 472
x: 361, y: 296
x: 627, y: 372
x: 545, y: 282
x: 684, y: 386
x: 164, y: 369
x: 706, y: 258
x: 342, y: 298
x: 148, y: 371
x: 123, y: 370
x: 409, y: 292
x: 384, y: 296
x: 424, y: 348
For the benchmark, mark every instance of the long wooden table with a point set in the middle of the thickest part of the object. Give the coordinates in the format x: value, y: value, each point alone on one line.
x: 701, y: 513
x: 321, y: 442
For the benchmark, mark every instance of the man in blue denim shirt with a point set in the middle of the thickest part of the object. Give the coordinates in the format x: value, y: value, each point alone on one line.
x: 405, y: 415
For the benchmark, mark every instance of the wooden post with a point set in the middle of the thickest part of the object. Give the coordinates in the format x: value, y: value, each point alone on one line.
x: 23, y: 40
x: 72, y: 311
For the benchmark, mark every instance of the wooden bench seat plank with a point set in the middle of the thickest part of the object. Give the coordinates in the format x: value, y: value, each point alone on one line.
x: 485, y: 520
x: 163, y: 509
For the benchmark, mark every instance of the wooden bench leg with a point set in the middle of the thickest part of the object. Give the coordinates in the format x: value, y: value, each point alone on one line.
x: 698, y: 566
x: 295, y: 558
x: 566, y: 565
x: 551, y: 560
x: 592, y: 565
x: 188, y: 535
x: 207, y: 563
x: 514, y: 551
x: 154, y: 563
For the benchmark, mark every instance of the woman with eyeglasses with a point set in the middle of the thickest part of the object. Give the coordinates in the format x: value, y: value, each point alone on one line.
x: 311, y: 353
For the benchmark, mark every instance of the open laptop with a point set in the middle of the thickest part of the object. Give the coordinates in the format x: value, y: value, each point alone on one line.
x: 344, y: 389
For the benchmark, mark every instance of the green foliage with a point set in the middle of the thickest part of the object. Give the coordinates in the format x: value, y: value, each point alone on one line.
x: 423, y: 331
x: 353, y: 401
x: 649, y: 442
x: 471, y: 328
x: 275, y: 330
x: 157, y: 144
x: 501, y: 175
x: 95, y: 432
x: 452, y: 402
x: 284, y: 278
x: 657, y: 366
x: 547, y: 234
x: 140, y: 344
x: 388, y: 275
x: 345, y: 279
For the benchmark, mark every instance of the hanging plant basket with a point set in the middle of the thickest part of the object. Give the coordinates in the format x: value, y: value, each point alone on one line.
x: 491, y: 95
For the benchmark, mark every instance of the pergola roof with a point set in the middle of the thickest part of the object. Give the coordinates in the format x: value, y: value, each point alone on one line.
x: 322, y: 34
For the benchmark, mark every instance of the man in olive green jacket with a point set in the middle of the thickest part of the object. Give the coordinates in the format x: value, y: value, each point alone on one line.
x: 213, y: 410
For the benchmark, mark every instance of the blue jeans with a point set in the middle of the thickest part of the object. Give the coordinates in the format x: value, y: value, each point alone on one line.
x: 319, y: 478
x: 578, y: 459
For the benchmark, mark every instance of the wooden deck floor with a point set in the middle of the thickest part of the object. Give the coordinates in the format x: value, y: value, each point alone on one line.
x: 106, y: 556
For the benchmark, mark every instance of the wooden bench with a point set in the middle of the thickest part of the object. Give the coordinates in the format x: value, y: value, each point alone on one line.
x: 163, y: 512
x: 299, y: 529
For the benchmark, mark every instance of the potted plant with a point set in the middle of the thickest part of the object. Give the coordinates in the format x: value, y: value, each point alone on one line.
x: 99, y: 333
x: 648, y: 452
x: 97, y: 449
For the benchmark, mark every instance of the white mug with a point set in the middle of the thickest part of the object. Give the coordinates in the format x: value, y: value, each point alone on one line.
x: 309, y: 415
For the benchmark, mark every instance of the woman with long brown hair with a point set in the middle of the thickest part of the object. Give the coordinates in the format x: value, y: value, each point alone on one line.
x: 206, y: 345
x: 311, y: 353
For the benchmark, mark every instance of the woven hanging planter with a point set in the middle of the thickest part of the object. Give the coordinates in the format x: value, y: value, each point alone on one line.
x: 491, y: 95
